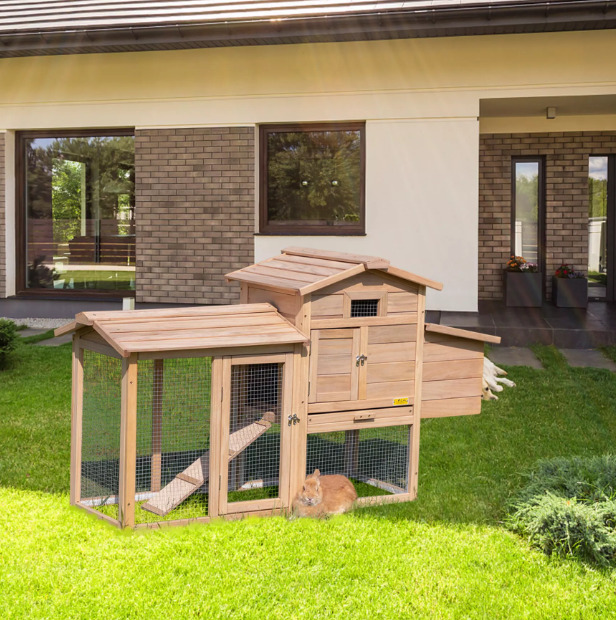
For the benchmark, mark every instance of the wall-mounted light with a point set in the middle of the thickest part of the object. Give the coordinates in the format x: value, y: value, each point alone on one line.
x: 550, y: 113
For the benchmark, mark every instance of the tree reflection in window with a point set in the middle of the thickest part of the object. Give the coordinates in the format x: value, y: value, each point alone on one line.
x: 314, y: 177
x: 79, y: 212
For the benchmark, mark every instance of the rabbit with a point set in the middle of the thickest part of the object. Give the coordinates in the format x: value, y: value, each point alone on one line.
x: 324, y: 495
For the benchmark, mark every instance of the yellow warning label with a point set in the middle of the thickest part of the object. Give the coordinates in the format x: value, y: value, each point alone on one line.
x: 401, y: 401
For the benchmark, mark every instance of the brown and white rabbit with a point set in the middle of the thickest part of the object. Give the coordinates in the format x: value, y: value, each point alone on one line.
x: 324, y: 495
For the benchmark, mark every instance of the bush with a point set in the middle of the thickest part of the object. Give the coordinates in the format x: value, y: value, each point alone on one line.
x: 8, y: 340
x: 568, y: 508
x: 586, y: 479
x: 568, y: 527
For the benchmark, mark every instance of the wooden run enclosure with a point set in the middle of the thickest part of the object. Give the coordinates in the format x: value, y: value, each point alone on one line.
x: 188, y: 414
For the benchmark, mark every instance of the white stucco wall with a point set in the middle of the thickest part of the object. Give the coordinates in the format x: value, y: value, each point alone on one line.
x: 420, y: 100
x: 421, y: 188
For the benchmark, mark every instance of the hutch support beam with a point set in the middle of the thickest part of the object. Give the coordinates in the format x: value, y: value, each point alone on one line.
x: 128, y: 441
x: 76, y: 420
x: 419, y: 349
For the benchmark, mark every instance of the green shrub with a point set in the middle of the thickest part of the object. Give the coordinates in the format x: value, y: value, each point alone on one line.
x: 568, y: 508
x: 586, y: 479
x: 568, y: 527
x: 8, y: 340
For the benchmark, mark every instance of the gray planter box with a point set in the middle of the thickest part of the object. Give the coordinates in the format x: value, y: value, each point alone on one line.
x: 523, y: 289
x: 570, y: 292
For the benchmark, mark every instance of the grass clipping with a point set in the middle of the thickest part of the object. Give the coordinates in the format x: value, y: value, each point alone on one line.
x: 568, y: 508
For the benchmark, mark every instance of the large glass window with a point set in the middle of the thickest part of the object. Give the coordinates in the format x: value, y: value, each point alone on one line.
x: 76, y: 202
x: 527, y: 212
x: 312, y: 179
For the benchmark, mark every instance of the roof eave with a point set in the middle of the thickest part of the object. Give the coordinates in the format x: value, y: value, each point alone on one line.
x: 450, y: 21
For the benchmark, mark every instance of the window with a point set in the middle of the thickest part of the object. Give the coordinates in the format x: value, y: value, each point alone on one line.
x: 76, y: 198
x: 527, y: 214
x: 312, y: 179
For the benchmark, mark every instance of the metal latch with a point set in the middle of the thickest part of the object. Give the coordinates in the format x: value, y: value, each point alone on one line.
x: 360, y: 358
x: 293, y: 419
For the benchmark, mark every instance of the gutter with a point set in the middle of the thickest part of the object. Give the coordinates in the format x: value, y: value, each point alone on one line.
x: 477, y: 19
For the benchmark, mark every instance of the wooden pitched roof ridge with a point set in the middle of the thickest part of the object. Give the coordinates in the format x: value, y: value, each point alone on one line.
x: 305, y: 270
x: 175, y: 329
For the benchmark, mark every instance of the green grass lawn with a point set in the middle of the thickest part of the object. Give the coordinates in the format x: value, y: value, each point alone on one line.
x: 446, y: 555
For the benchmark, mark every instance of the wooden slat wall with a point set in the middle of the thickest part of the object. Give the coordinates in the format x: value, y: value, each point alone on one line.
x: 452, y: 376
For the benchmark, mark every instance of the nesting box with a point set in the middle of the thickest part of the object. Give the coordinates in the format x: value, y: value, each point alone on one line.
x: 194, y: 413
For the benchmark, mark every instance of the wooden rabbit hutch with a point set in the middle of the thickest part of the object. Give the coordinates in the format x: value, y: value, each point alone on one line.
x: 327, y: 362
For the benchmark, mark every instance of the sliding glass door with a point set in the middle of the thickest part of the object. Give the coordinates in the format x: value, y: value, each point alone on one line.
x: 76, y: 212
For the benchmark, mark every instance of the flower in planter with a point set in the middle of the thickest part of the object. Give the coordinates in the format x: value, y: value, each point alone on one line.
x: 520, y: 264
x: 568, y: 271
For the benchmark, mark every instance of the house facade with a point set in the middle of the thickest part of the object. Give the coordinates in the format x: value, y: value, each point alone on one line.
x: 133, y: 170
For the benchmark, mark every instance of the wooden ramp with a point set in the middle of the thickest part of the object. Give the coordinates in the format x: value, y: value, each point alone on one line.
x: 195, y: 476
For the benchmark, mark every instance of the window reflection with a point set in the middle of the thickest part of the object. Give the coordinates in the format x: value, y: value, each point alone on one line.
x: 80, y: 227
x: 313, y: 178
x: 526, y: 205
x: 597, y: 226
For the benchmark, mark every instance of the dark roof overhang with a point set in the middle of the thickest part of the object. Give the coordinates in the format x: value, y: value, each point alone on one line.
x: 414, y: 20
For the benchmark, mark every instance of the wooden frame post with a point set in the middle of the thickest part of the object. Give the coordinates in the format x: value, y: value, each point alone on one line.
x: 225, y: 420
x: 415, y: 428
x: 157, y: 425
x: 286, y: 431
x: 215, y: 437
x: 76, y: 420
x: 128, y: 442
x: 351, y: 453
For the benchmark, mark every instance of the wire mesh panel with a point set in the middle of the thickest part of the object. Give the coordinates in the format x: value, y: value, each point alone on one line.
x: 375, y: 460
x: 254, y: 431
x: 100, y: 434
x: 173, y: 439
x: 364, y: 307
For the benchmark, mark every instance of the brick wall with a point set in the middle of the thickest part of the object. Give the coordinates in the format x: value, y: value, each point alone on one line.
x: 3, y: 257
x: 566, y: 176
x: 194, y: 212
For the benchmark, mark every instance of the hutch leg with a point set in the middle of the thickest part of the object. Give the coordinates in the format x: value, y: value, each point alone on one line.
x: 157, y: 425
x: 351, y: 453
x: 225, y: 421
x: 287, y: 433
x: 414, y: 439
x: 128, y: 442
x: 215, y: 438
x: 76, y: 420
x: 301, y: 362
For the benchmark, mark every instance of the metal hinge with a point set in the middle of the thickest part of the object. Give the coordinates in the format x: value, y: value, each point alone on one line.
x: 219, y: 482
x: 308, y: 388
x: 293, y: 419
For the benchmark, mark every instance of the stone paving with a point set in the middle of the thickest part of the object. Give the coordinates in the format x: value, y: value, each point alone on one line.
x: 587, y: 358
x: 514, y: 356
x: 31, y: 331
x: 56, y: 342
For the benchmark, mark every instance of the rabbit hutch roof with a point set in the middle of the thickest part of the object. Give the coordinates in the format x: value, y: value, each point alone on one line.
x: 304, y: 270
x: 176, y: 329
